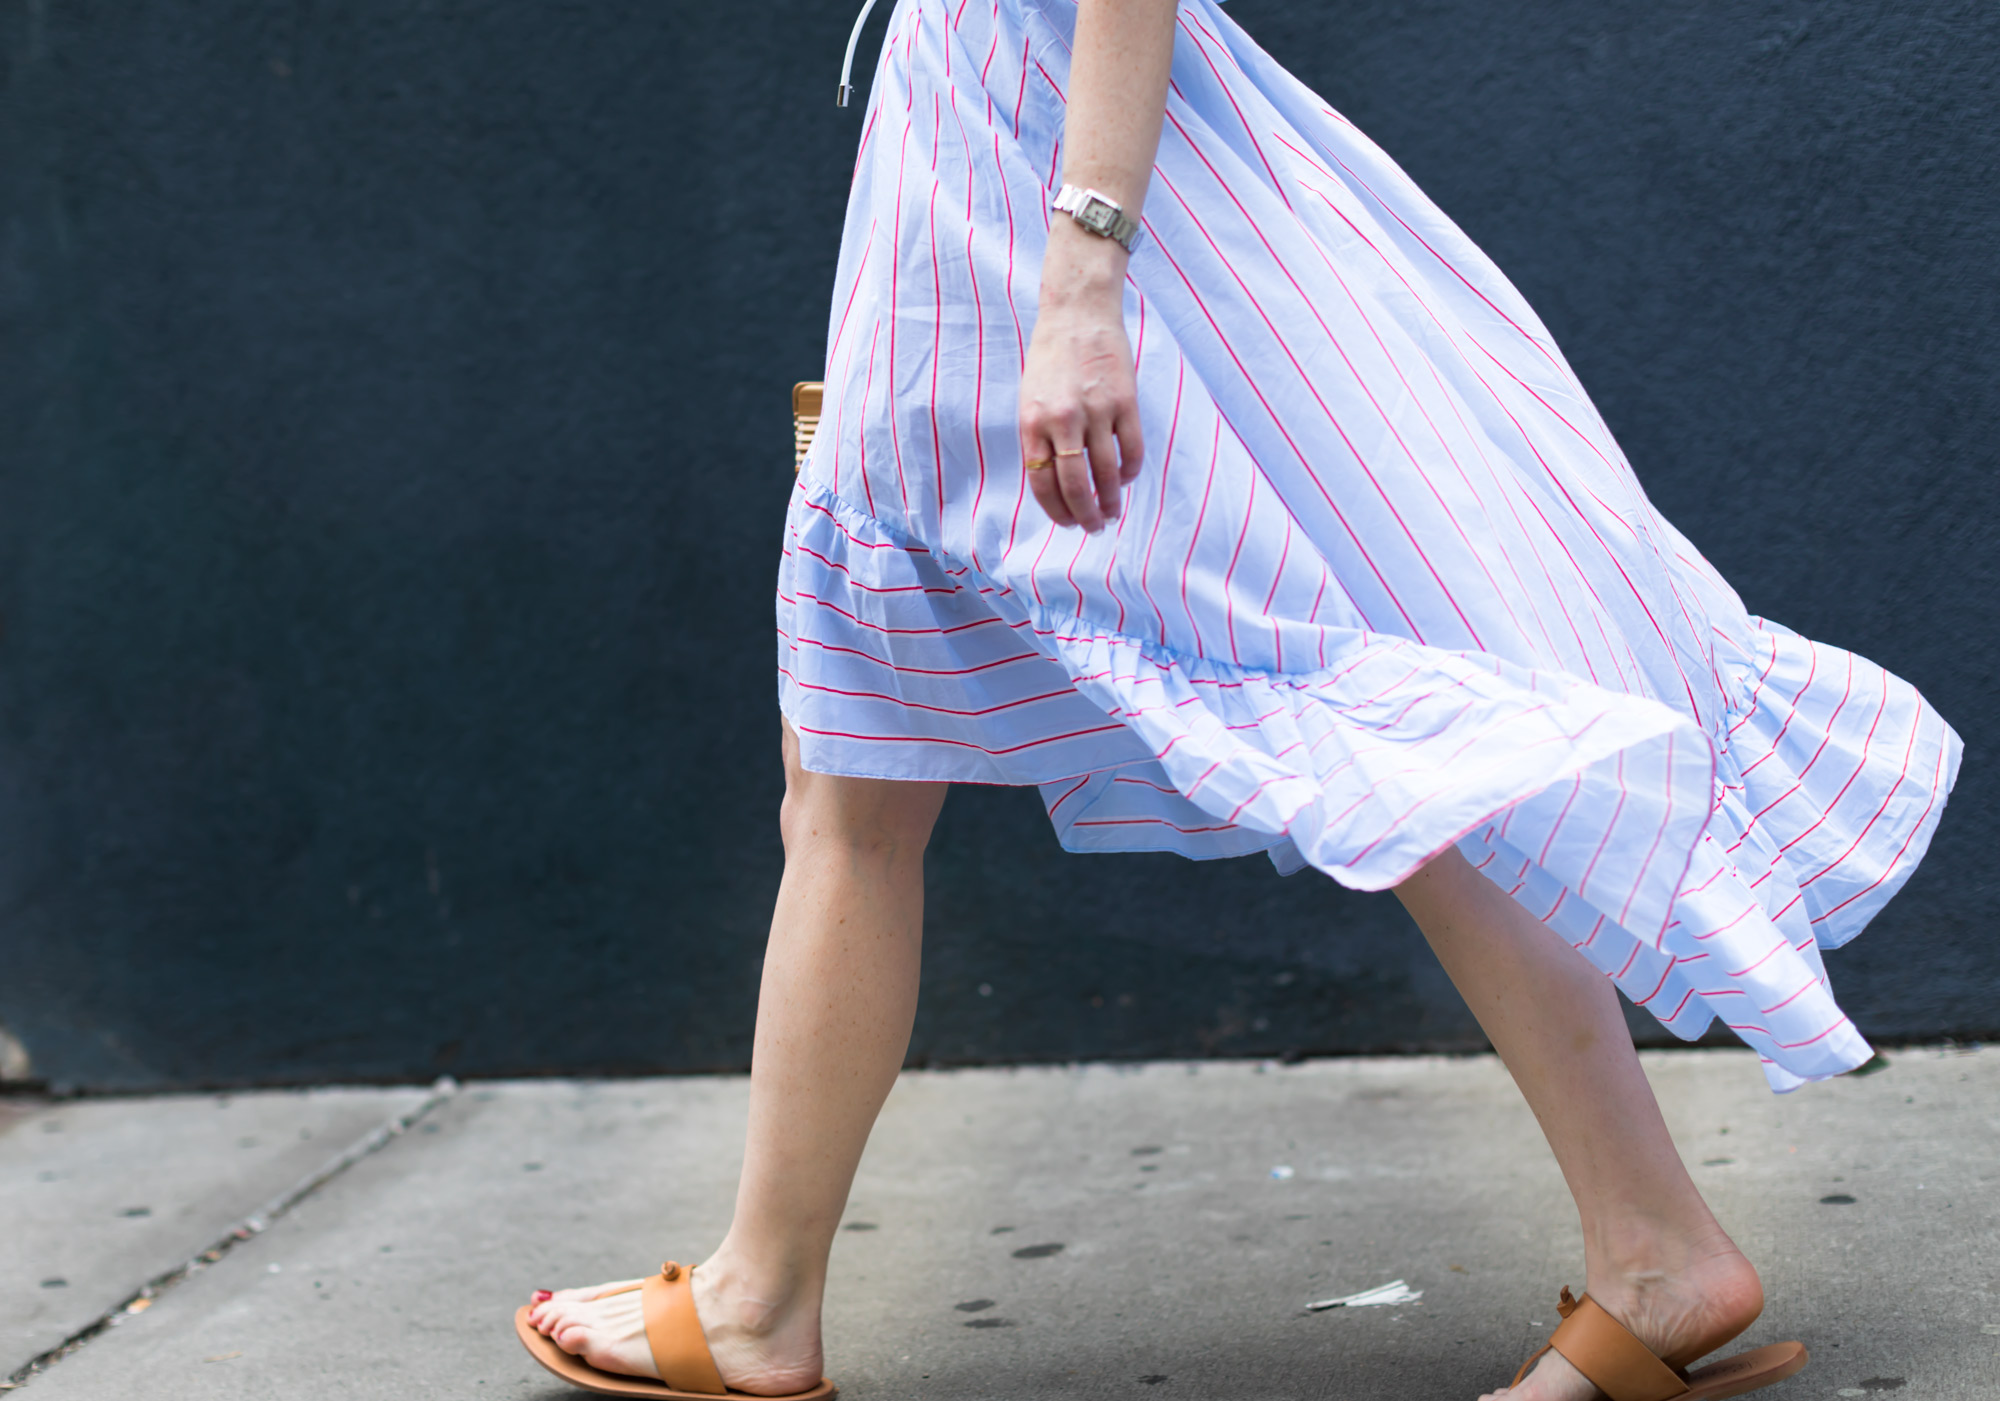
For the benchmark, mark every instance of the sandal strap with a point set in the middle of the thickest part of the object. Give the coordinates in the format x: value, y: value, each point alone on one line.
x: 1604, y: 1350
x: 673, y: 1331
x: 1528, y: 1366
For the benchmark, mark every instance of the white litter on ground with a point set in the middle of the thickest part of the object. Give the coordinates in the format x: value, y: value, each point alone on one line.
x: 1394, y: 1292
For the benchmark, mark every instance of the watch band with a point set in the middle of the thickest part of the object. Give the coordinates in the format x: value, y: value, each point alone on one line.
x: 1104, y: 217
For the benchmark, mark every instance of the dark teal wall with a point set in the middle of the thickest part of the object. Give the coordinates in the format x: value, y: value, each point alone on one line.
x: 393, y: 445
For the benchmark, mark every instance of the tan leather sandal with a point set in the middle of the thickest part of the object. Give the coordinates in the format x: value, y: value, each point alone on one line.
x: 1625, y: 1369
x: 680, y: 1351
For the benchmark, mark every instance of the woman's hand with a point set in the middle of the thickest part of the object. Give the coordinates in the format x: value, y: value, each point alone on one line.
x: 1079, y: 400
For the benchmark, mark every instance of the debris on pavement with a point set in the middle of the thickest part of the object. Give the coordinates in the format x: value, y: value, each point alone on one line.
x: 1394, y: 1292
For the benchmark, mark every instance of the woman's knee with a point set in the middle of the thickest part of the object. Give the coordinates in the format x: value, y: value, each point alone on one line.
x: 882, y: 816
x: 1444, y: 872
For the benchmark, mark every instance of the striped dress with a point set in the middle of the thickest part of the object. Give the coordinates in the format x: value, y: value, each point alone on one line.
x: 1386, y: 584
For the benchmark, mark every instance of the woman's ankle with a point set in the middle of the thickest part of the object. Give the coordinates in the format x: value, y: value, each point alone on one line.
x: 754, y: 1299
x: 762, y: 1326
x: 1638, y: 1241
x: 1684, y: 1293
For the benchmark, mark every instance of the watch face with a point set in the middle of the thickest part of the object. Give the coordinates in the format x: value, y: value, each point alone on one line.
x: 1097, y: 215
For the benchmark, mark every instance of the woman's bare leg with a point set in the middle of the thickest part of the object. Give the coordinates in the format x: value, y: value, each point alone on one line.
x: 834, y: 1013
x: 1653, y: 1254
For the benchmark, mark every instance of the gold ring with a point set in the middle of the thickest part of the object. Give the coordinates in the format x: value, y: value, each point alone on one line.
x: 1040, y: 464
x: 1073, y: 452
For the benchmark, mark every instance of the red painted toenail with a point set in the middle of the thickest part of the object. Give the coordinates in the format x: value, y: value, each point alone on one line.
x: 542, y: 1296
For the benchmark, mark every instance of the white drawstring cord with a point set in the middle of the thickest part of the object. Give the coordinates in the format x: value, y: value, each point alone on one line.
x: 847, y: 64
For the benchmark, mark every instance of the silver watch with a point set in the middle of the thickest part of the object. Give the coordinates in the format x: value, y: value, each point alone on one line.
x: 1104, y: 217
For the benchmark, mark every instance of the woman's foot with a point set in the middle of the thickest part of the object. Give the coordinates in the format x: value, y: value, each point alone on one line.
x: 1682, y: 1315
x: 762, y: 1347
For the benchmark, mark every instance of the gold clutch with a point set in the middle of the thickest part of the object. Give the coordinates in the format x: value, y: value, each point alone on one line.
x: 806, y: 397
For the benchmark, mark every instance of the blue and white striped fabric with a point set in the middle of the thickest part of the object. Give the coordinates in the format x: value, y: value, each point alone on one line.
x: 1386, y: 584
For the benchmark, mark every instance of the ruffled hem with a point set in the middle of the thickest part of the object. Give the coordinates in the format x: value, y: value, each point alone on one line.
x: 1700, y: 873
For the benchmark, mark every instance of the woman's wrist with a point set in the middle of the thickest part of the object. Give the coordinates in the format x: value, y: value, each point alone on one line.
x: 1082, y: 269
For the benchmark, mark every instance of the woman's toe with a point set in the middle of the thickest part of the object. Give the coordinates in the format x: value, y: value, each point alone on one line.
x: 572, y: 1338
x: 598, y: 1291
x: 558, y: 1315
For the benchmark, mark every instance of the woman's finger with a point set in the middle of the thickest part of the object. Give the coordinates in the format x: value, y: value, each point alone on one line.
x: 1079, y: 487
x: 1104, y: 467
x: 1131, y: 446
x: 1038, y: 460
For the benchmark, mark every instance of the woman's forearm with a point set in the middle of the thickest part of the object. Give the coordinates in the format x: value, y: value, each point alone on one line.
x: 1081, y: 440
x: 1117, y: 95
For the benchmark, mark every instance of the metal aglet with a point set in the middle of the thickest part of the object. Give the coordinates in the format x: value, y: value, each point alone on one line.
x: 847, y: 62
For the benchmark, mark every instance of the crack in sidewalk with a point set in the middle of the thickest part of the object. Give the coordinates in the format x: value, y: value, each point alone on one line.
x: 255, y: 1224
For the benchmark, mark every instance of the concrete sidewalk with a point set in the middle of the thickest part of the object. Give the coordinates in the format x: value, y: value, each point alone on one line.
x: 1100, y: 1231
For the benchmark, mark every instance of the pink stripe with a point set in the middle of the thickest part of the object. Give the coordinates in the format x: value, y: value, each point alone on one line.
x: 1674, y: 1015
x: 1937, y: 791
x: 1229, y: 574
x: 1277, y: 185
x: 1795, y: 1045
x: 1453, y: 269
x: 840, y: 332
x: 1311, y: 388
x: 937, y: 295
x: 1194, y: 536
x: 1890, y: 797
x: 1145, y: 822
x: 1556, y: 826
x: 1562, y: 893
x: 841, y: 526
x: 1278, y: 423
x: 917, y: 670
x: 908, y: 704
x: 854, y: 583
x: 1125, y: 514
x: 1861, y: 766
x: 1847, y: 691
x: 1741, y: 915
x: 1148, y: 783
x: 991, y: 49
x: 959, y: 743
x: 1791, y: 709
x: 1021, y: 96
x: 1757, y: 691
x: 1323, y: 578
x: 895, y: 284
x: 979, y: 328
x: 1595, y: 929
x: 1067, y: 796
x: 867, y: 392
x: 899, y: 632
x: 1438, y: 433
x: 1618, y: 809
x: 1020, y: 338
x: 1665, y: 974
x: 1577, y: 513
x: 1159, y: 515
x: 1237, y: 811
x: 1746, y: 972
x: 1506, y: 495
x: 1804, y: 988
x: 1277, y: 577
x: 1666, y: 814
